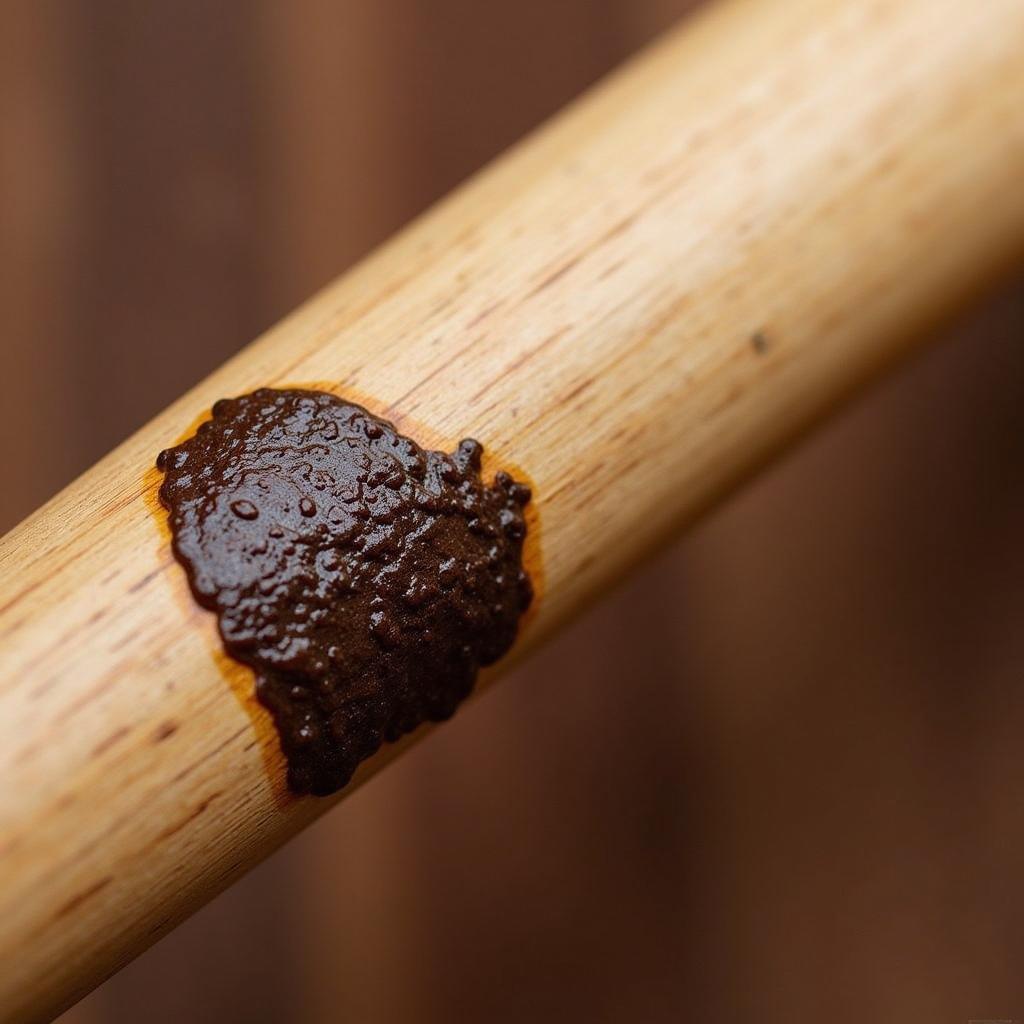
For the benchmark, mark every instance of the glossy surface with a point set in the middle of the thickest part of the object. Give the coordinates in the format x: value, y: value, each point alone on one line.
x: 364, y: 579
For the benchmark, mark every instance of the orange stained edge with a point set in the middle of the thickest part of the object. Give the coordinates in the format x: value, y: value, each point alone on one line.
x: 240, y: 678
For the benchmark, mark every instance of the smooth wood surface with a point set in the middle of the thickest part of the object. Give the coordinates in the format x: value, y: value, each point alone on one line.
x: 636, y: 307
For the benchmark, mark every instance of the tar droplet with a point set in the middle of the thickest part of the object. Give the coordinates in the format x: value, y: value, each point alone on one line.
x: 245, y: 509
x: 364, y: 621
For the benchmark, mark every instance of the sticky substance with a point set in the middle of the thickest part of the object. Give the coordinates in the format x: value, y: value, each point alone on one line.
x: 364, y: 579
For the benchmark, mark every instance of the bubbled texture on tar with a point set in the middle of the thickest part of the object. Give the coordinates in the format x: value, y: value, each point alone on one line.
x: 364, y: 579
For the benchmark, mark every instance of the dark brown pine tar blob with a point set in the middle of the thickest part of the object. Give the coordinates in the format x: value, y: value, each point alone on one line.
x: 364, y: 579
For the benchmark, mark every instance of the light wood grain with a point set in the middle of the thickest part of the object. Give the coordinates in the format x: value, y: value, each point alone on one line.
x: 637, y: 306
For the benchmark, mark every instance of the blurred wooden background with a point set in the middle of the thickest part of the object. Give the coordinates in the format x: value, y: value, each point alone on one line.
x: 776, y: 777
